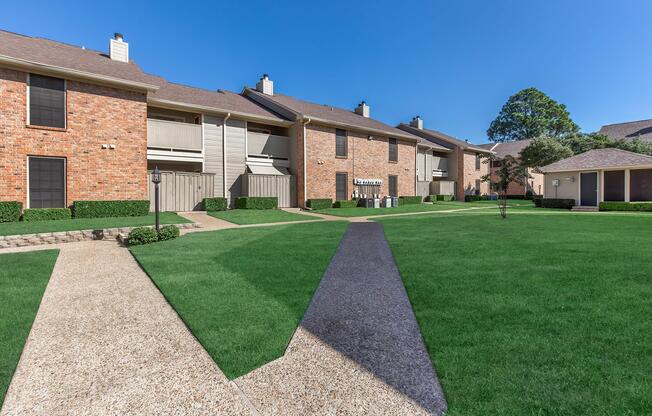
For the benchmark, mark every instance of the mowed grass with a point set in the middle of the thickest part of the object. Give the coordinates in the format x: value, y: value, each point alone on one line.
x: 23, y: 278
x: 535, y: 314
x: 243, y: 292
x: 259, y: 216
x: 366, y: 212
x: 33, y: 227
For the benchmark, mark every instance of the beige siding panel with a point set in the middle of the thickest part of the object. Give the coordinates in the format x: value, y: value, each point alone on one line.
x: 235, y: 157
x: 281, y: 186
x: 423, y: 188
x: 213, y: 157
x: 568, y: 185
x: 428, y: 170
x: 173, y: 135
x: 182, y: 191
x: 268, y: 144
x: 442, y: 188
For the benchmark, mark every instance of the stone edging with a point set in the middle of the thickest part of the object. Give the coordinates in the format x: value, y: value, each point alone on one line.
x: 22, y: 240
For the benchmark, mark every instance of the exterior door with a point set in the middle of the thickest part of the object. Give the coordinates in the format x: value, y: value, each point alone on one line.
x: 589, y: 189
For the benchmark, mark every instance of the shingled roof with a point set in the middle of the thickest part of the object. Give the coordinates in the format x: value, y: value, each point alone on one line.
x: 21, y: 50
x: 442, y: 138
x: 600, y: 159
x: 503, y: 149
x: 630, y: 130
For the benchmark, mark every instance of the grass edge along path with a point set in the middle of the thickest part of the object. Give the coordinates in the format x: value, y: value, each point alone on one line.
x: 259, y: 216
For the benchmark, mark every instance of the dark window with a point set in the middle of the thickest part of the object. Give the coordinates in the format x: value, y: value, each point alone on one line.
x: 477, y: 162
x: 614, y: 185
x: 392, y: 185
x: 495, y: 164
x: 341, y: 191
x: 477, y: 186
x: 393, y: 150
x: 641, y: 185
x: 47, y: 182
x: 47, y: 101
x: 341, y: 145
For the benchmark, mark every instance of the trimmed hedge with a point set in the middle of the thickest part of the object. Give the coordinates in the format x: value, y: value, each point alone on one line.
x: 256, y: 202
x: 409, y: 200
x: 557, y: 203
x: 625, y: 206
x: 168, y: 232
x: 435, y: 198
x: 46, y: 214
x: 142, y: 235
x: 475, y: 198
x: 215, y: 204
x: 346, y: 204
x: 320, y: 203
x: 520, y: 197
x: 102, y: 209
x: 537, y: 201
x: 10, y: 211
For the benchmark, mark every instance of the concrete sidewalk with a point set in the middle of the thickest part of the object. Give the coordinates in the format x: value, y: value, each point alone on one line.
x: 106, y: 342
x: 358, y: 349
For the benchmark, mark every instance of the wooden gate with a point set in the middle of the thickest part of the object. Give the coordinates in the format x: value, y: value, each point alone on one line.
x: 182, y: 191
x: 281, y: 186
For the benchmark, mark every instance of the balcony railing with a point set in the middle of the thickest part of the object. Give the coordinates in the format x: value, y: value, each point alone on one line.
x: 172, y: 135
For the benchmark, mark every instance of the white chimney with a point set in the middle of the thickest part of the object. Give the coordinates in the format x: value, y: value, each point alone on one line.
x: 118, y: 48
x: 362, y: 109
x: 265, y: 85
x: 417, y: 123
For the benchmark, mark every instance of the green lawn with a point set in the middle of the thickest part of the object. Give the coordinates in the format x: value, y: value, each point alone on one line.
x: 23, y: 278
x: 366, y: 212
x: 259, y: 216
x: 535, y: 314
x: 243, y: 292
x: 33, y: 227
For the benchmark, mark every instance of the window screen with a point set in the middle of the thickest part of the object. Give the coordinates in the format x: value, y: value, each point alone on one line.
x: 393, y: 150
x: 341, y: 181
x: 477, y: 162
x: 392, y: 184
x: 47, y: 101
x: 477, y: 186
x: 341, y: 145
x: 47, y: 182
x: 641, y: 185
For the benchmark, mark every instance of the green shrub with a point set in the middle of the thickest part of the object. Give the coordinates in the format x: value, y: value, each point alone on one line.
x: 537, y: 200
x: 475, y: 198
x: 320, y: 203
x: 256, y: 202
x: 102, y: 209
x: 142, y: 235
x: 346, y: 204
x: 557, y: 203
x: 409, y: 200
x: 625, y: 206
x: 46, y: 214
x: 168, y: 232
x: 434, y: 198
x: 519, y: 196
x: 10, y: 211
x: 215, y: 204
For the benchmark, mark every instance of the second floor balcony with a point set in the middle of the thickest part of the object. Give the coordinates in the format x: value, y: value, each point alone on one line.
x: 174, y: 135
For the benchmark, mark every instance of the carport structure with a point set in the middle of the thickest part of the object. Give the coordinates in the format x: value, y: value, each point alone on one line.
x: 600, y: 175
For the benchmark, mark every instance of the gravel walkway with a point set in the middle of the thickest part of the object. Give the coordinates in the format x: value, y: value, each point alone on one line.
x: 105, y: 342
x: 358, y: 349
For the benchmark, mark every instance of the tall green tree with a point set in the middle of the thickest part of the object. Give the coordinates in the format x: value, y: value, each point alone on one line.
x: 544, y: 151
x: 529, y: 114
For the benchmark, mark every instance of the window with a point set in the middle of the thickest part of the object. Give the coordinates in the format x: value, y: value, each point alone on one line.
x: 341, y: 191
x: 477, y: 186
x: 392, y: 185
x: 496, y: 163
x: 393, y: 150
x: 341, y: 145
x: 47, y: 101
x: 477, y: 161
x: 47, y: 182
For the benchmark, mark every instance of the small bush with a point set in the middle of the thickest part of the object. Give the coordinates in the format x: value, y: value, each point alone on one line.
x: 475, y: 198
x: 46, y: 214
x: 346, y: 204
x: 102, y: 209
x: 409, y: 200
x: 435, y: 198
x: 10, y: 211
x: 625, y: 206
x: 557, y: 203
x: 142, y: 235
x: 168, y: 232
x: 537, y: 201
x: 256, y: 202
x: 320, y: 203
x: 519, y: 196
x: 215, y: 204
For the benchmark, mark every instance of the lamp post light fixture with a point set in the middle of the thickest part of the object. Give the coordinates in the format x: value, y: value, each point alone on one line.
x: 156, y: 179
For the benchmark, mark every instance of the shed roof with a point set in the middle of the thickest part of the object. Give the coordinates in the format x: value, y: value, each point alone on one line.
x: 503, y: 149
x: 630, y: 130
x: 600, y: 159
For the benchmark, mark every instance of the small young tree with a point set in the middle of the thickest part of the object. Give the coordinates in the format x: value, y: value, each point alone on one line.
x: 510, y: 170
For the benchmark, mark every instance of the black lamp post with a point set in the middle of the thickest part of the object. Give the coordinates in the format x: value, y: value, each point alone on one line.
x: 156, y: 179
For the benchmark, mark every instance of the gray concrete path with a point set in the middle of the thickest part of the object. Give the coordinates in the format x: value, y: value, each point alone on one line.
x: 105, y: 342
x: 358, y: 350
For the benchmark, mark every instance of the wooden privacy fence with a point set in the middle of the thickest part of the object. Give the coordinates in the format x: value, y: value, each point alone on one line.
x: 281, y: 186
x: 182, y: 191
x: 423, y: 188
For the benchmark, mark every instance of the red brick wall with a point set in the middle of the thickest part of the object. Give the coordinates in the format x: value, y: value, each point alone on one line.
x: 368, y: 159
x: 96, y: 115
x: 535, y: 183
x: 467, y: 174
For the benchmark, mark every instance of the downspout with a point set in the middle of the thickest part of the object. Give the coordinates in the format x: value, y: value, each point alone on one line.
x: 228, y: 116
x: 305, y: 163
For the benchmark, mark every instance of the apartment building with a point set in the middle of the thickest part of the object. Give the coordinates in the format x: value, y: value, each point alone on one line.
x: 533, y: 184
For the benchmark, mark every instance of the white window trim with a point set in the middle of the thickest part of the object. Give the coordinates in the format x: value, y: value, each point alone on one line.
x: 65, y: 102
x: 65, y: 178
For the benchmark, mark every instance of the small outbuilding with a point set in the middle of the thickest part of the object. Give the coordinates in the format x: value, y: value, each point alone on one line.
x: 600, y: 175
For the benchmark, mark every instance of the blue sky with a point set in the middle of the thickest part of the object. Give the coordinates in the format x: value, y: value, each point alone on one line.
x: 453, y: 62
